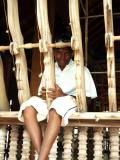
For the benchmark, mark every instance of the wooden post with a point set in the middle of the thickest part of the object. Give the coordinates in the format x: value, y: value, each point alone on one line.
x: 108, y: 19
x: 42, y: 14
x: 76, y: 42
x: 4, y: 105
x: 21, y: 65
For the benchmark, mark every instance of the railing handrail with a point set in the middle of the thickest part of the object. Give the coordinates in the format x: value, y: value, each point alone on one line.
x: 90, y: 119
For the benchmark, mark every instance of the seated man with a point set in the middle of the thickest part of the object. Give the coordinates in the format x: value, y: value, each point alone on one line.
x: 63, y: 105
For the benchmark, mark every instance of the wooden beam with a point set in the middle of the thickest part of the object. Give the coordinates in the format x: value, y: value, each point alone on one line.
x: 90, y: 119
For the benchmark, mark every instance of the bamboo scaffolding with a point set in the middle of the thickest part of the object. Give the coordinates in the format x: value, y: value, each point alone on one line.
x: 76, y: 41
x: 36, y: 45
x: 21, y: 64
x: 4, y: 105
x: 21, y: 74
x: 52, y: 45
x: 108, y: 20
x: 43, y: 23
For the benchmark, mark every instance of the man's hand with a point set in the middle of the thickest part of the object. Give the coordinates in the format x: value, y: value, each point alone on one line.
x: 43, y: 93
x: 55, y: 92
x: 52, y: 92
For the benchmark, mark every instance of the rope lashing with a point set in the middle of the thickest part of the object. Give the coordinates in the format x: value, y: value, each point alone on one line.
x: 43, y: 46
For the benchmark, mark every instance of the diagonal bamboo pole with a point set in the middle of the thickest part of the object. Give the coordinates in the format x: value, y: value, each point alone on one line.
x: 42, y: 15
x: 108, y: 20
x: 21, y: 65
x: 78, y: 54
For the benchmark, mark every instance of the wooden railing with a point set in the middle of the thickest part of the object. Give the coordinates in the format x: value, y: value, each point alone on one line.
x: 89, y: 135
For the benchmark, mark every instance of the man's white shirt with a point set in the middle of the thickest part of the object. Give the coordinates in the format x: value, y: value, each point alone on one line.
x: 65, y: 79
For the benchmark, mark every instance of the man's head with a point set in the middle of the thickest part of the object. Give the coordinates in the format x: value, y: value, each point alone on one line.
x: 63, y: 56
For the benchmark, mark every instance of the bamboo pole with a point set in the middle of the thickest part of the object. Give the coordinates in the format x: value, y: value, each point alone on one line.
x: 21, y: 65
x: 46, y: 38
x: 4, y: 105
x: 36, y: 45
x: 108, y: 20
x: 78, y: 54
x: 21, y: 70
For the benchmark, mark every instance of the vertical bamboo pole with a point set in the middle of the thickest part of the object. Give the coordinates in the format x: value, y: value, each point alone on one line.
x: 86, y: 34
x: 43, y: 23
x: 4, y: 105
x: 42, y: 14
x: 78, y: 54
x: 21, y: 65
x: 108, y: 20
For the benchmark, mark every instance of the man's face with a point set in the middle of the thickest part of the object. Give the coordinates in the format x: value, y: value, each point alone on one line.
x: 62, y: 56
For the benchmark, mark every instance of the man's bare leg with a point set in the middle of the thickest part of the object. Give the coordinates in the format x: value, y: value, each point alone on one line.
x: 52, y: 130
x: 33, y: 127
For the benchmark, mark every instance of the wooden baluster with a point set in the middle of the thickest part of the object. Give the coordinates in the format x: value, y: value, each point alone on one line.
x: 25, y: 146
x: 3, y: 135
x: 13, y: 142
x: 53, y: 151
x: 67, y: 143
x: 114, y: 144
x: 82, y: 148
x: 98, y: 145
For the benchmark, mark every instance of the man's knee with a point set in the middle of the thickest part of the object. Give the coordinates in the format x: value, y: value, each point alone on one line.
x: 29, y: 112
x: 53, y: 113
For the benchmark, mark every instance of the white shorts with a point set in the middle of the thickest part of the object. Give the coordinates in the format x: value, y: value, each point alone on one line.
x: 64, y: 106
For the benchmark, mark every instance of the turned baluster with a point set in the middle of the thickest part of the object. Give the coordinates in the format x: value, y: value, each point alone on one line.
x: 13, y: 143
x: 3, y: 134
x: 67, y: 143
x: 98, y: 145
x: 25, y: 146
x: 114, y: 144
x: 82, y: 148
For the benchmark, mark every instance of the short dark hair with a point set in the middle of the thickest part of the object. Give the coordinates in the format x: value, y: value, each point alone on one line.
x: 63, y: 38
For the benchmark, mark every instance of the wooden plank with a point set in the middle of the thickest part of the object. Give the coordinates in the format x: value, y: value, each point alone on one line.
x: 91, y: 119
